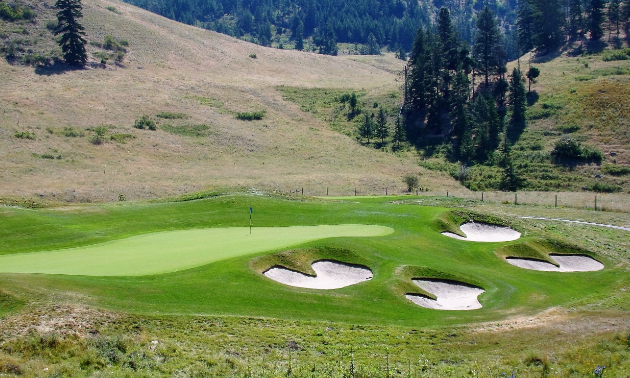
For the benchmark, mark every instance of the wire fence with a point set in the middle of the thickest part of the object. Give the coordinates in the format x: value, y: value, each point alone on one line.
x: 583, y: 200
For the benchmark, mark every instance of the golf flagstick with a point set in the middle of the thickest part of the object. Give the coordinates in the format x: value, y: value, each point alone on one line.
x: 251, y: 210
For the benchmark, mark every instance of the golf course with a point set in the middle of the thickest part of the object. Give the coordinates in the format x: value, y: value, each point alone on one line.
x: 168, y: 261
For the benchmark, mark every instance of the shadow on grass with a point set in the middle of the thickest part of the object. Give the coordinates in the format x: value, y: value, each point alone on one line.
x: 532, y: 98
x: 56, y: 68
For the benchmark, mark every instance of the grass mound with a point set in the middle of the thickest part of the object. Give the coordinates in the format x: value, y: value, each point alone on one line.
x: 451, y: 220
x: 540, y: 249
x: 300, y: 260
x: 405, y: 274
x: 9, y: 303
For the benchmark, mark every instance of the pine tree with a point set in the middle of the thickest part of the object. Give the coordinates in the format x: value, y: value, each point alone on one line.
x: 576, y: 21
x: 614, y: 16
x: 366, y: 128
x: 382, y: 129
x: 487, y: 48
x: 372, y: 46
x: 399, y: 132
x: 417, y: 72
x: 299, y: 36
x: 72, y: 42
x: 517, y: 100
x: 596, y: 19
x: 548, y: 24
x: 525, y: 25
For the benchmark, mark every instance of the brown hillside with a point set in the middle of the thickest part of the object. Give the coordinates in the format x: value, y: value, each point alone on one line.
x: 170, y: 67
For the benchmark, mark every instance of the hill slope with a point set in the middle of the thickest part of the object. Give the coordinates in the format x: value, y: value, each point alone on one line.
x: 208, y: 78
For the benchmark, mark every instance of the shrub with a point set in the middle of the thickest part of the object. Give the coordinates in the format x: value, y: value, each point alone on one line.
x: 113, y: 9
x: 99, y: 135
x: 250, y: 116
x: 605, y: 188
x: 169, y: 115
x: 253, y: 56
x: 623, y: 54
x: 145, y: 122
x: 616, y: 170
x: 71, y: 132
x: 51, y: 25
x: 121, y: 138
x: 24, y: 135
x: 571, y: 149
x: 411, y: 181
x: 15, y: 13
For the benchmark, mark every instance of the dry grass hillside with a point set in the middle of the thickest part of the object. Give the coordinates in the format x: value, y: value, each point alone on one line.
x: 203, y: 79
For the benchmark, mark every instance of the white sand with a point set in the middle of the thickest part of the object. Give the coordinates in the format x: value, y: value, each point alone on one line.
x: 450, y: 295
x: 484, y: 232
x: 329, y: 275
x: 568, y: 263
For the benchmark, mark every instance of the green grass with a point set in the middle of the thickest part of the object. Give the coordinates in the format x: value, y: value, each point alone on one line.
x: 174, y: 250
x: 186, y: 130
x: 227, y: 285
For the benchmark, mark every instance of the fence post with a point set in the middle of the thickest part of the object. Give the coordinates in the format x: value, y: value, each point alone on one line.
x: 302, y: 191
x: 326, y: 191
x: 556, y: 205
x: 447, y: 193
x: 481, y: 196
x: 515, y: 199
x: 385, y: 191
x: 355, y: 191
x: 595, y: 203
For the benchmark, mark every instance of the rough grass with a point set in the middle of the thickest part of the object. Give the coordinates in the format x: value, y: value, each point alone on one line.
x: 300, y: 260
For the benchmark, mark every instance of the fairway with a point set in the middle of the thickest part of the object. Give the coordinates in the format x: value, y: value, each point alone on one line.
x: 170, y: 251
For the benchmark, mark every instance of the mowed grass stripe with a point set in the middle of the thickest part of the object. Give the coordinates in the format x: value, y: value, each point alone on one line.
x: 170, y: 251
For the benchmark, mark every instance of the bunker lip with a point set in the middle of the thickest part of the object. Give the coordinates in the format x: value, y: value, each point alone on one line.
x: 485, y: 232
x: 451, y: 295
x: 567, y: 263
x: 329, y: 274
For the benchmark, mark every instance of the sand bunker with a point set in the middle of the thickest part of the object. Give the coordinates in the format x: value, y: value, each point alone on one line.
x: 450, y: 295
x: 484, y: 232
x: 329, y: 275
x: 568, y: 263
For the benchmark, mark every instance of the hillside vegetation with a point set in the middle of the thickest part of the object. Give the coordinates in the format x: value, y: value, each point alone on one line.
x: 70, y: 135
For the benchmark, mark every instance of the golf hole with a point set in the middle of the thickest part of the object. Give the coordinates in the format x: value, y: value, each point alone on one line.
x: 329, y: 275
x: 568, y: 263
x: 451, y: 295
x: 484, y: 232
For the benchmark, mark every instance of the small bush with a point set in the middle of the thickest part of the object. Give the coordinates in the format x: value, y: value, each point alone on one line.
x: 253, y: 56
x: 616, y: 170
x: 250, y: 116
x: 99, y: 135
x: 605, y: 188
x: 121, y: 138
x: 571, y: 149
x: 15, y: 13
x: 113, y: 9
x: 145, y: 122
x: 51, y: 25
x: 24, y: 135
x: 411, y: 181
x: 71, y: 132
x: 616, y: 55
x: 169, y: 115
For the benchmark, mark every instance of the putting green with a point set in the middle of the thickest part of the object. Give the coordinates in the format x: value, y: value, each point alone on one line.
x: 164, y: 252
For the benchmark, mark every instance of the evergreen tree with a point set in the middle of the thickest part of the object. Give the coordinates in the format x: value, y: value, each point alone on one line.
x: 399, y: 132
x: 625, y: 15
x: 382, y: 129
x: 576, y: 21
x: 372, y: 46
x: 328, y: 41
x: 614, y: 16
x: 366, y: 128
x: 487, y: 48
x: 72, y: 42
x: 525, y: 26
x: 548, y: 24
x: 299, y: 36
x: 353, y: 104
x: 595, y: 19
x: 517, y: 100
x: 416, y: 96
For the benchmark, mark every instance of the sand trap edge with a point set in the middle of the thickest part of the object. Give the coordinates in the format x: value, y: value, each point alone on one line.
x: 444, y: 302
x: 589, y: 266
x: 485, y: 233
